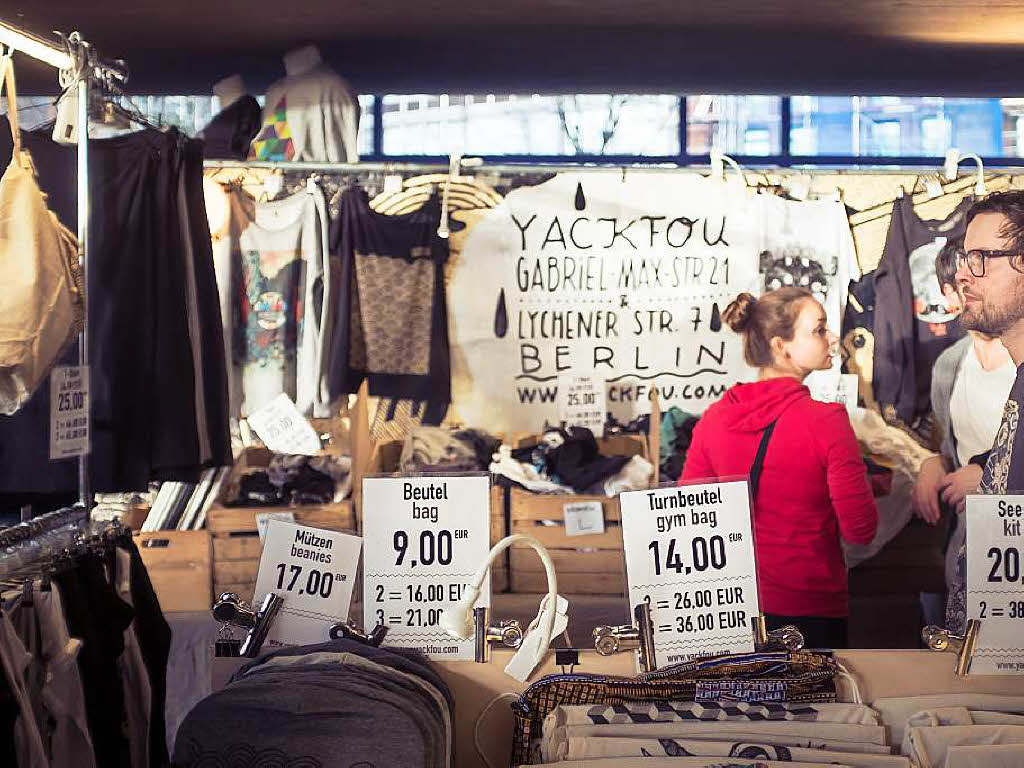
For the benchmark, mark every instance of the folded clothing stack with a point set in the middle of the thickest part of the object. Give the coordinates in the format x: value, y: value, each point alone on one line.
x: 958, y: 730
x: 292, y: 480
x: 340, y: 703
x: 715, y: 699
x: 569, y: 461
x: 437, y: 449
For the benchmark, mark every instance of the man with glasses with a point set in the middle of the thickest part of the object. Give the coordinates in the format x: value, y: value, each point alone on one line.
x: 990, y: 279
x: 970, y: 383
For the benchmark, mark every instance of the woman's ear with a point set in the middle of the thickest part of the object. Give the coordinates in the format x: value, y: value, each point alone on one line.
x: 778, y: 347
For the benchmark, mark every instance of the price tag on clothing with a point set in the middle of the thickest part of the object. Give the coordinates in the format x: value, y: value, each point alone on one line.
x: 69, y: 411
x: 426, y: 536
x: 583, y: 518
x: 283, y: 429
x: 690, y: 554
x: 314, y: 571
x: 832, y: 387
x: 995, y: 582
x: 582, y: 402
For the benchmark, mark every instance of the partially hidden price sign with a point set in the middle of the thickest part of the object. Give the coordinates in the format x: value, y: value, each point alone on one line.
x: 995, y: 582
x: 69, y: 411
x: 582, y: 402
x: 425, y: 536
x: 313, y: 570
x: 690, y: 554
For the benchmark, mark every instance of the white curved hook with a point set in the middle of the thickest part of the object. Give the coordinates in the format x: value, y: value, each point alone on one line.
x: 718, y: 162
x: 458, y: 621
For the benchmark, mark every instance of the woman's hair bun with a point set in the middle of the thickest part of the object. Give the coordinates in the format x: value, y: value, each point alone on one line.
x: 737, y: 315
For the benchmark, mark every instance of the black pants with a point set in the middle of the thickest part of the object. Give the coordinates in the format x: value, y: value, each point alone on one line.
x: 818, y: 631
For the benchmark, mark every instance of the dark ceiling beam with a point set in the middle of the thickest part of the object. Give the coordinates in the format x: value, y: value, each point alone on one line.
x: 788, y: 60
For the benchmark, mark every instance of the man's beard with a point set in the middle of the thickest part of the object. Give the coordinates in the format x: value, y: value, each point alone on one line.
x: 987, y: 318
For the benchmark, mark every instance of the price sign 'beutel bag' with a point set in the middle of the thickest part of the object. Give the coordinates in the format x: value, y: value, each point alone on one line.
x: 41, y: 297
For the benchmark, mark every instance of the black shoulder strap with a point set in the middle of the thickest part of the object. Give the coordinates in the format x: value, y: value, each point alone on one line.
x: 758, y: 466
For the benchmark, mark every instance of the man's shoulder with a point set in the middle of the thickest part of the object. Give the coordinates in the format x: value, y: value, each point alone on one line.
x: 948, y: 363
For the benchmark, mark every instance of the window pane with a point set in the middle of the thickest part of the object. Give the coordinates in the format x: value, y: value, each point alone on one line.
x: 364, y: 143
x: 897, y: 125
x: 739, y: 125
x: 1013, y: 127
x: 492, y: 124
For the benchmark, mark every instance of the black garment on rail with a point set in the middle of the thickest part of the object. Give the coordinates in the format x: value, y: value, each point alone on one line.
x: 97, y: 616
x: 145, y: 391
x: 391, y: 326
x: 154, y: 635
x: 912, y: 325
x: 228, y: 135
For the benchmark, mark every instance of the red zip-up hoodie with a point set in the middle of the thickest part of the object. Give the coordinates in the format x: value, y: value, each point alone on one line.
x: 813, y: 489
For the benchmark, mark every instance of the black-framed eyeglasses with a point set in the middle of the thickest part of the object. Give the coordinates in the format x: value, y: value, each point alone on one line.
x: 975, y: 260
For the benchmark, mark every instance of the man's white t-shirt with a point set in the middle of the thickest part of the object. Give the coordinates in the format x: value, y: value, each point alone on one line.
x: 976, y: 407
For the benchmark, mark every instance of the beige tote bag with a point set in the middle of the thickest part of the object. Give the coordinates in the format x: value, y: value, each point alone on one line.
x: 41, y: 297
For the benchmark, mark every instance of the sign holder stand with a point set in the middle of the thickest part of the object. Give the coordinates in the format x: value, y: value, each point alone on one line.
x: 788, y: 637
x: 639, y: 637
x: 939, y: 639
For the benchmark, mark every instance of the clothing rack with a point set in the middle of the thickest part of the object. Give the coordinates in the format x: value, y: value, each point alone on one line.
x: 51, y: 521
x: 78, y: 64
x: 568, y: 167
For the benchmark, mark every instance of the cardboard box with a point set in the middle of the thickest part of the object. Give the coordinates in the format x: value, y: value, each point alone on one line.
x: 180, y: 565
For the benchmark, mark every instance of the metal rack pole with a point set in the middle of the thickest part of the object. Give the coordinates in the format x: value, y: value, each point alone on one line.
x: 84, y: 485
x: 74, y: 53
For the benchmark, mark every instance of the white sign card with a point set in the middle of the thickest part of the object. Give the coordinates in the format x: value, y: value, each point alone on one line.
x: 314, y: 571
x: 581, y: 402
x: 583, y: 518
x: 995, y: 590
x: 263, y: 518
x: 426, y: 536
x: 625, y: 278
x: 69, y: 411
x: 834, y: 387
x: 690, y: 554
x: 283, y: 429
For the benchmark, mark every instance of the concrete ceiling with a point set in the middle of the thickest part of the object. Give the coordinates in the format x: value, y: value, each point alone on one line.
x: 878, y: 46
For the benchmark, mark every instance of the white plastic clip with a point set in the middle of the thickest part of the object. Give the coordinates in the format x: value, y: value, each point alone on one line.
x: 530, y: 652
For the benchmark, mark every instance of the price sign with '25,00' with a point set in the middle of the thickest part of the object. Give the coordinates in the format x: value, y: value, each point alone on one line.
x: 690, y: 554
x: 425, y: 536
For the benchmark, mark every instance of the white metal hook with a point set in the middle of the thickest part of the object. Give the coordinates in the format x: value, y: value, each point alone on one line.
x: 454, y: 163
x: 951, y: 168
x: 718, y: 162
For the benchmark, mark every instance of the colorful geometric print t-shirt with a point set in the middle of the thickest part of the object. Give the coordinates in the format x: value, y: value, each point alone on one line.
x: 280, y: 300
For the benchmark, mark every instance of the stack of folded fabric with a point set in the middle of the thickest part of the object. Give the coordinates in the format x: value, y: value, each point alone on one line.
x: 958, y: 730
x: 437, y: 449
x: 739, y: 710
x: 568, y: 461
x: 292, y: 480
x: 340, y: 703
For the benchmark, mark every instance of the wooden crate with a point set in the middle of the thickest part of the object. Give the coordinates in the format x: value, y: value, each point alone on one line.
x: 586, y: 565
x: 237, y: 547
x: 385, y: 461
x: 180, y: 565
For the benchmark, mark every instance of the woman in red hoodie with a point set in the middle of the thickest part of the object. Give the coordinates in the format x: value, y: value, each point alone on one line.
x: 811, y: 487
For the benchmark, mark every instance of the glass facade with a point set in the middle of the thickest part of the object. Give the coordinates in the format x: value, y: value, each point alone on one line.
x: 737, y: 125
x: 635, y: 126
x: 895, y: 126
x: 509, y: 124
